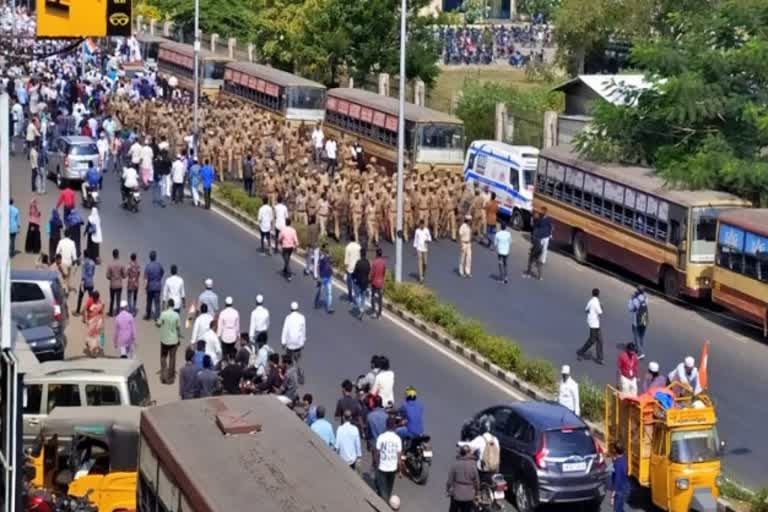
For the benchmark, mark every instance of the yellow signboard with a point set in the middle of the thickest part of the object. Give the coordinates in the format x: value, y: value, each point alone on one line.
x: 83, y: 18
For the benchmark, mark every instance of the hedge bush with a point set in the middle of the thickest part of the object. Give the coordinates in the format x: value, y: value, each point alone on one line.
x: 421, y: 301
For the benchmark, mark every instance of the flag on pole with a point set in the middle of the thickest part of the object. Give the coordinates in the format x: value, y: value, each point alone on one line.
x: 704, y: 366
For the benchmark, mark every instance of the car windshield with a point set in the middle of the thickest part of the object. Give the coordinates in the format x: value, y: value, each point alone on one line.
x: 528, y: 177
x: 84, y: 150
x: 690, y: 446
x: 138, y: 388
x: 569, y: 442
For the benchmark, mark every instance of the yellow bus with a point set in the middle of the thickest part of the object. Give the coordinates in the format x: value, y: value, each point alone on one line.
x: 241, y: 452
x: 289, y: 97
x: 178, y: 59
x: 741, y: 265
x: 629, y: 217
x: 432, y: 138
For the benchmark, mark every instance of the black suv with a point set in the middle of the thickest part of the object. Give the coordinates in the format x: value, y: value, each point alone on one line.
x: 548, y: 454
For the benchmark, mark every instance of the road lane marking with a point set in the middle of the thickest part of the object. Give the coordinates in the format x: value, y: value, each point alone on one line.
x: 402, y: 325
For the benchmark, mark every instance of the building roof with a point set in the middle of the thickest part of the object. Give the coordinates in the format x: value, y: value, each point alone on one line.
x: 189, y: 51
x: 642, y: 178
x: 280, y: 465
x: 276, y: 76
x: 391, y: 106
x: 605, y: 86
x: 751, y: 219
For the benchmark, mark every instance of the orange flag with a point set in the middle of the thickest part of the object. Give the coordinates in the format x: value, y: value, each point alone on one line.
x: 704, y: 366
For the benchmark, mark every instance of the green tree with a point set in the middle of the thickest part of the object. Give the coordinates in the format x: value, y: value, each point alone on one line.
x: 545, y: 7
x: 228, y: 18
x: 704, y: 123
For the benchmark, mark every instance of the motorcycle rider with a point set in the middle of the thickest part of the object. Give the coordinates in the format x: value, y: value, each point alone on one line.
x: 92, y: 181
x: 487, y: 463
x: 130, y: 180
x: 412, y: 412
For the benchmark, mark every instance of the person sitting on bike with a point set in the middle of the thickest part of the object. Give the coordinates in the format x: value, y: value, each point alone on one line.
x: 130, y: 181
x: 92, y: 180
x: 412, y: 412
x: 486, y: 448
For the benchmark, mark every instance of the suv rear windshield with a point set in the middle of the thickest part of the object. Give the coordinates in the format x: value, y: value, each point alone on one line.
x: 568, y: 442
x: 83, y: 150
x: 138, y: 388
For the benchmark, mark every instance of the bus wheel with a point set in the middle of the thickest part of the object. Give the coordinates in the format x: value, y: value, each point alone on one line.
x: 518, y: 222
x: 580, y: 253
x: 670, y: 283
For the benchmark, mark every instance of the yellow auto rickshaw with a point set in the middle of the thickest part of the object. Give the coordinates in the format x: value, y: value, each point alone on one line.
x: 671, y: 444
x: 90, y: 450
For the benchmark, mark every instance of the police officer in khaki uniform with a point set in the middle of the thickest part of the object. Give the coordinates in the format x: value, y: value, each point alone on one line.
x: 434, y: 211
x: 371, y: 222
x: 356, y: 209
x: 323, y: 211
x: 301, y: 206
x: 476, y: 210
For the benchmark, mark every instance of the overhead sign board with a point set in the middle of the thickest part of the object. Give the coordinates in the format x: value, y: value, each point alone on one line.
x: 83, y: 18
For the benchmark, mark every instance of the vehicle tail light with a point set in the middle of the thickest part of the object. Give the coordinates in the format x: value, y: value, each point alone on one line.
x: 66, y: 161
x: 501, y: 486
x: 542, y: 453
x: 56, y: 311
x: 600, y: 459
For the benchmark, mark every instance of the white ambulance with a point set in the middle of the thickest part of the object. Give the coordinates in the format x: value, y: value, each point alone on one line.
x: 508, y: 171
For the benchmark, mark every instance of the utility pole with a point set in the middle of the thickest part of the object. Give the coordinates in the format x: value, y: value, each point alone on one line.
x: 195, y: 122
x: 400, y: 148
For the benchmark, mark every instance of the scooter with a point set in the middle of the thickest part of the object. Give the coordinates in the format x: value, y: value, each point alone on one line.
x: 91, y: 198
x: 491, y: 497
x: 132, y: 200
x: 417, y: 458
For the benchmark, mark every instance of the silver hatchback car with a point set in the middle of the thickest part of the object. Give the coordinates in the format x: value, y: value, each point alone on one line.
x: 68, y: 158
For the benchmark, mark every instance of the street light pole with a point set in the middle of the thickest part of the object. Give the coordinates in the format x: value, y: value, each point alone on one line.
x: 400, y: 149
x: 196, y: 94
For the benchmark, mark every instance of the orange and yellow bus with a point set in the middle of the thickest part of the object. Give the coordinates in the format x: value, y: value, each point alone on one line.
x: 432, y: 138
x: 287, y: 96
x: 741, y: 265
x: 178, y: 59
x: 629, y: 217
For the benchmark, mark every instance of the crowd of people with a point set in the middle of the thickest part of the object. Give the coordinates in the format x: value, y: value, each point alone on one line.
x: 515, y: 44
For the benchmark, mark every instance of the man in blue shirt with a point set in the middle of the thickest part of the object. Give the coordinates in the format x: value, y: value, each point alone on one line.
x: 413, y: 412
x: 92, y: 179
x: 14, y: 222
x: 86, y: 281
x: 377, y: 422
x: 153, y: 275
x: 619, y: 478
x: 323, y: 428
x: 325, y: 274
x: 348, y: 441
x: 502, y: 241
x: 207, y: 175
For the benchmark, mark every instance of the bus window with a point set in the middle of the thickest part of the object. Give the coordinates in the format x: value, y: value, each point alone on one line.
x: 442, y: 136
x: 308, y: 98
x: 471, y: 161
x: 703, y: 234
x: 213, y: 70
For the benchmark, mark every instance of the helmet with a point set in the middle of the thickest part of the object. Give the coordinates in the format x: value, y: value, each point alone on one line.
x: 410, y: 392
x: 485, y: 423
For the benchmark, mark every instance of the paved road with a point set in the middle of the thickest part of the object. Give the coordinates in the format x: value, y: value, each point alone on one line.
x: 547, y: 319
x: 204, y: 244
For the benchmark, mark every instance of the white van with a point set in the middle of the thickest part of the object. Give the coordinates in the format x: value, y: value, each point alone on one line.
x: 508, y: 171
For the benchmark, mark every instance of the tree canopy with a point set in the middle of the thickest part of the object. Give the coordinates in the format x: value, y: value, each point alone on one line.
x: 704, y: 122
x: 321, y: 39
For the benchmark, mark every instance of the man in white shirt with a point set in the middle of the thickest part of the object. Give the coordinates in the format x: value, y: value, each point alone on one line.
x: 212, y: 344
x: 145, y: 166
x: 281, y: 215
x: 202, y: 324
x: 130, y: 180
x: 318, y: 141
x: 686, y: 372
x: 330, y: 154
x: 421, y: 239
x: 387, y: 460
x: 228, y: 329
x: 102, y: 145
x: 384, y: 383
x: 264, y: 218
x: 259, y: 319
x: 294, y: 334
x: 351, y: 255
x: 178, y: 171
x: 135, y: 153
x: 594, y: 310
x: 174, y: 290
x: 68, y: 251
x: 568, y: 391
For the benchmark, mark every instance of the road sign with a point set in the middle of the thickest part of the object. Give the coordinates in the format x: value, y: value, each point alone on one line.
x: 83, y: 18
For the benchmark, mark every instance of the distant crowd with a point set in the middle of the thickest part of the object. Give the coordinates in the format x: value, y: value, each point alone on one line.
x: 515, y: 44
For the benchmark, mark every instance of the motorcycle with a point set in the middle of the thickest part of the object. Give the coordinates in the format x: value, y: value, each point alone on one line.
x: 91, y: 198
x: 132, y: 200
x: 417, y: 458
x: 492, y: 494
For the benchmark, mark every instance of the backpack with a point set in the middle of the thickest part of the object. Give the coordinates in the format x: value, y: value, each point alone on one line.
x: 641, y: 315
x: 491, y: 454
